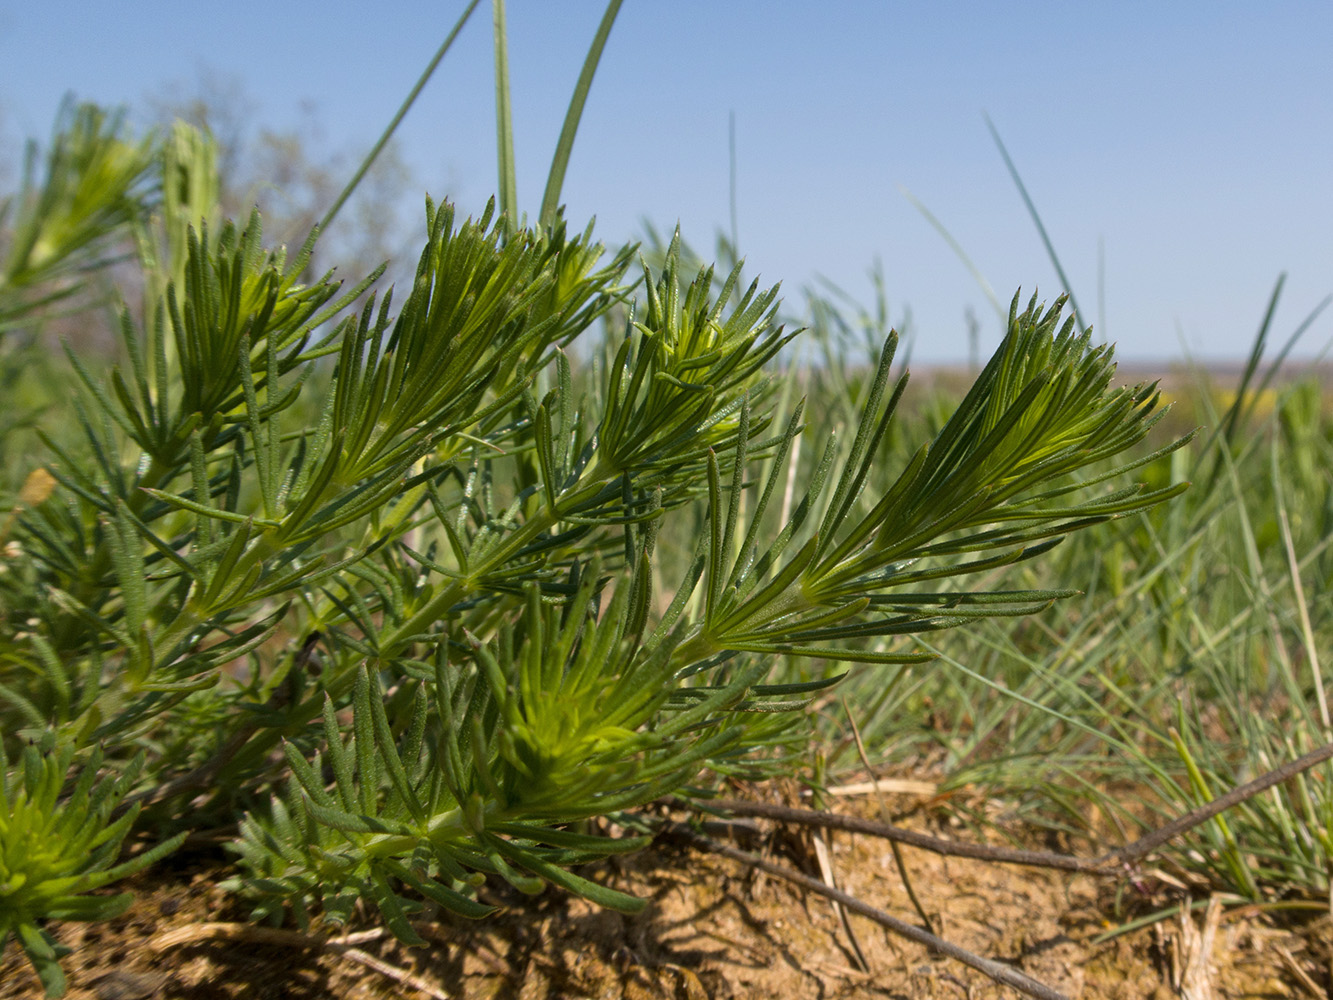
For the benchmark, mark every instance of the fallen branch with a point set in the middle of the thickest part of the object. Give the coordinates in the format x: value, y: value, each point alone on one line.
x: 874, y: 828
x: 995, y: 970
x: 1145, y: 845
x: 344, y: 946
x: 1105, y: 864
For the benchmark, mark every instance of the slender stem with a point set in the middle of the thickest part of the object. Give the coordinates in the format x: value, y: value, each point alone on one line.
x: 702, y: 643
x: 893, y: 844
x: 541, y: 521
x: 731, y: 149
x: 438, y: 606
x: 1079, y: 314
x: 193, y: 614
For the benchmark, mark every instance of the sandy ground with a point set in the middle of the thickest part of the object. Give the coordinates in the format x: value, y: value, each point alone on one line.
x: 712, y: 929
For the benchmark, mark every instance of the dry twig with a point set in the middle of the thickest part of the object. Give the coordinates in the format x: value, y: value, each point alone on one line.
x: 995, y: 970
x: 1191, y: 951
x: 1109, y: 863
x: 344, y: 946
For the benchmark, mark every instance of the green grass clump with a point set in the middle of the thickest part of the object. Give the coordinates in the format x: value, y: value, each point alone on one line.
x: 58, y: 845
x: 1190, y: 662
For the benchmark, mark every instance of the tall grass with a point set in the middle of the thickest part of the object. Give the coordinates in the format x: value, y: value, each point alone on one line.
x: 1194, y: 658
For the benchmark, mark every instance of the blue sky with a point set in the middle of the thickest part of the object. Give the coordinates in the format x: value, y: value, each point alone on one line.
x: 1193, y: 141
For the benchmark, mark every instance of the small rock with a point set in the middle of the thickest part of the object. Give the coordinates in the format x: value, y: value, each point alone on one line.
x: 121, y: 985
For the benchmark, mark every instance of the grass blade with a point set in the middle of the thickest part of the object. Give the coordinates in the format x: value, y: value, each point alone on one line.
x: 383, y: 140
x: 504, y: 125
x: 1036, y: 218
x: 555, y: 179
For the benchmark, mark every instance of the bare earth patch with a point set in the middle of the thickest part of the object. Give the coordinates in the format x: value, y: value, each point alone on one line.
x: 712, y: 929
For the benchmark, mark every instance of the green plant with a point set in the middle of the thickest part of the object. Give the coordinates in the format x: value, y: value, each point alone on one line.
x: 95, y: 184
x: 55, y: 849
x: 381, y: 589
x: 1234, y: 684
x: 1191, y: 663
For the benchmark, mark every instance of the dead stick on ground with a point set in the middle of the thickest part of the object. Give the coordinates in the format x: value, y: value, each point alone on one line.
x: 1106, y: 864
x: 996, y: 971
x: 344, y: 946
x: 825, y: 858
x: 1146, y: 845
x: 855, y: 824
